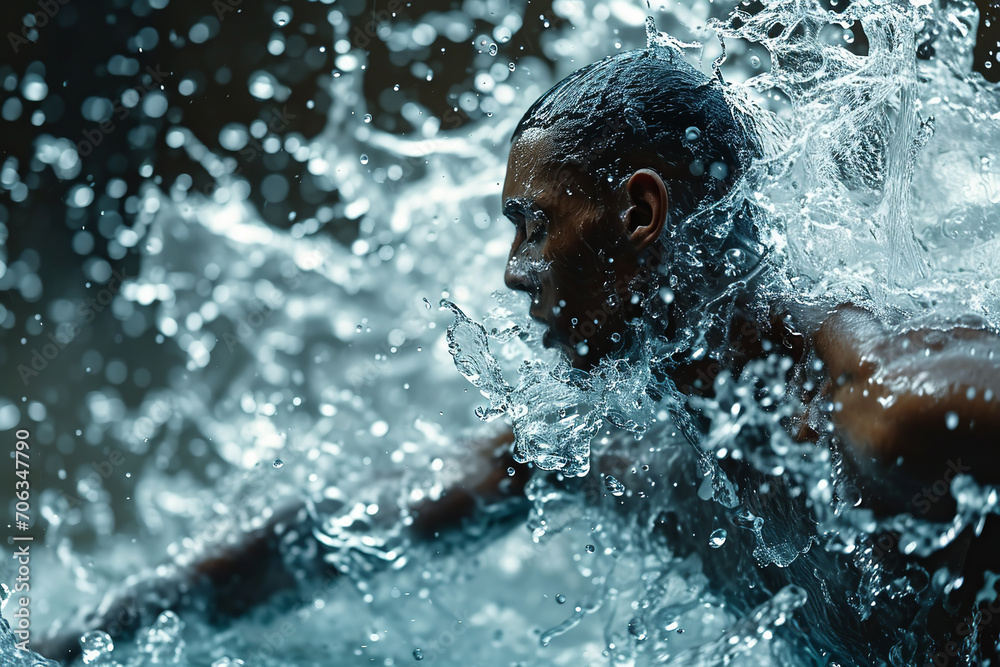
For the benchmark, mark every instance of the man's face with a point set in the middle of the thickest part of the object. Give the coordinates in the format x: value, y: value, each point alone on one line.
x: 570, y: 254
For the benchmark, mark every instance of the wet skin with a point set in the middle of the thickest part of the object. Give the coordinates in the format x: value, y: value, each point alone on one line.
x: 894, y: 396
x: 576, y: 258
x: 911, y: 410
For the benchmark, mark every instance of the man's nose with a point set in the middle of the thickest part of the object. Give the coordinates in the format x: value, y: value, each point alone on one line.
x: 515, y: 276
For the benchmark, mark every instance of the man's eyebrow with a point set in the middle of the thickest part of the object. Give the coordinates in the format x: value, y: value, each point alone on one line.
x: 525, y: 208
x: 517, y: 206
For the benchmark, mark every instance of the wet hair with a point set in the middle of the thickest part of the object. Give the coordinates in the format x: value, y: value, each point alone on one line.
x: 649, y: 108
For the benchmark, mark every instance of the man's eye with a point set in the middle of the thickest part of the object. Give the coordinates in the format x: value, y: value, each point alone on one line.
x: 534, y: 229
x: 531, y: 231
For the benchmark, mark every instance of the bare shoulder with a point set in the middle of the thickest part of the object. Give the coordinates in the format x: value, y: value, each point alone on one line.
x: 927, y: 395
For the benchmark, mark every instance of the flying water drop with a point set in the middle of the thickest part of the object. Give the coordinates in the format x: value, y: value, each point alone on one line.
x: 96, y: 645
x: 717, y: 538
x: 637, y: 628
x: 951, y: 420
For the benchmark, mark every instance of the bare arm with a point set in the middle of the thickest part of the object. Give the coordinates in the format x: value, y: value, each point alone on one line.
x: 928, y: 396
x: 233, y: 578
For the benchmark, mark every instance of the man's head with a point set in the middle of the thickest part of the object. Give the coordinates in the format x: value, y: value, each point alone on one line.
x: 605, y: 172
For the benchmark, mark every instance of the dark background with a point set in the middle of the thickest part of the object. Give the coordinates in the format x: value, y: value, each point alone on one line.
x: 73, y: 49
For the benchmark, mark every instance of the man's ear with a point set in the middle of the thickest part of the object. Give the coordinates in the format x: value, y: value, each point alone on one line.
x: 647, y: 212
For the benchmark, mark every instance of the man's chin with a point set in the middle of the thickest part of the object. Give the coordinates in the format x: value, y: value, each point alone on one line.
x: 552, y: 340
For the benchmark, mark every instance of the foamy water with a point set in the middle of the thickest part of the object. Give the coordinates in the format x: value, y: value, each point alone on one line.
x: 314, y: 368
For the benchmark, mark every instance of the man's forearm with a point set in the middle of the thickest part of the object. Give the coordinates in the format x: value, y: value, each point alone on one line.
x: 230, y: 579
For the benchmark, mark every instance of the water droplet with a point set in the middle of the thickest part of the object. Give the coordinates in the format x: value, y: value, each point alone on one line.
x: 510, y: 471
x: 852, y: 496
x: 734, y: 261
x: 364, y: 158
x: 717, y: 538
x: 582, y: 349
x: 418, y: 654
x: 278, y: 463
x: 637, y: 628
x: 283, y: 16
x: 590, y: 548
x: 169, y: 622
x: 614, y: 486
x: 96, y: 645
x: 755, y: 61
x: 493, y: 49
x: 951, y: 420
x: 616, y: 337
x: 692, y: 133
x: 368, y: 118
x: 511, y: 66
x: 561, y: 599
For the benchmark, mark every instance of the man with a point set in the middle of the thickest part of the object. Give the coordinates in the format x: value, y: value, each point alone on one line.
x: 614, y: 186
x: 620, y: 187
x: 597, y: 239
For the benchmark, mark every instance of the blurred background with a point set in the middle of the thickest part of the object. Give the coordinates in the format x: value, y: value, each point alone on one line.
x: 224, y: 100
x: 245, y: 80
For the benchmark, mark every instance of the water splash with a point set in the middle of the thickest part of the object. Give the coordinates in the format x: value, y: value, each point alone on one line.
x: 97, y: 647
x: 316, y: 345
x: 556, y: 411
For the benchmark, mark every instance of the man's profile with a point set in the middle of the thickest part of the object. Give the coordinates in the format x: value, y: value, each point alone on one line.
x: 620, y: 188
x: 651, y: 208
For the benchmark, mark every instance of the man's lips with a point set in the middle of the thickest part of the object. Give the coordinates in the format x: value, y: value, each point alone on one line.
x: 551, y: 339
